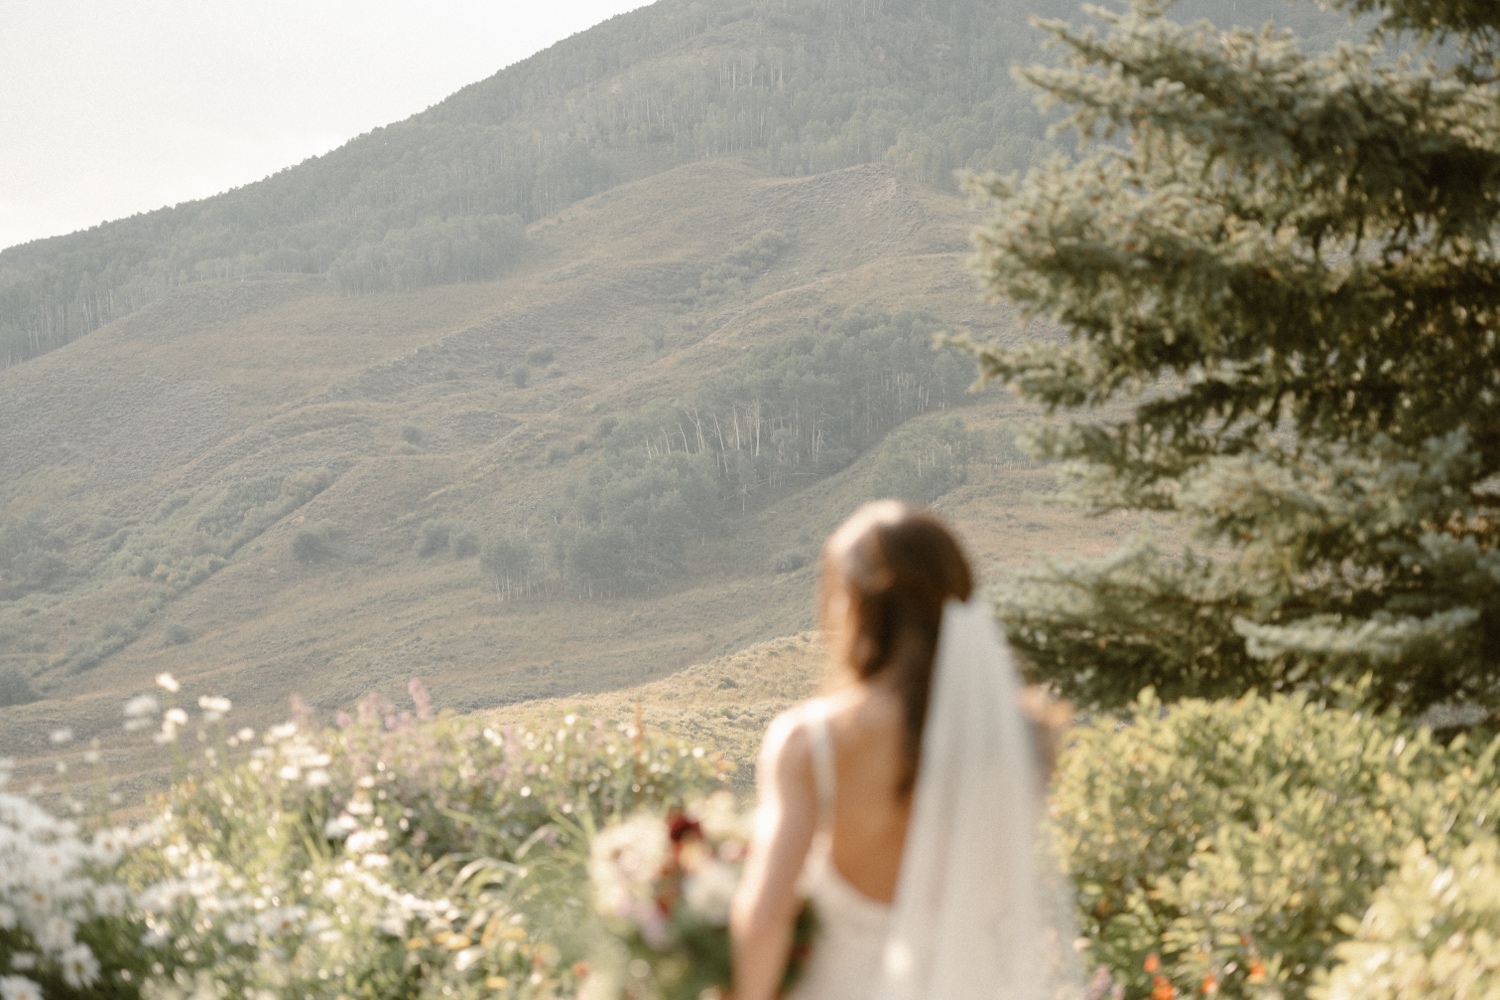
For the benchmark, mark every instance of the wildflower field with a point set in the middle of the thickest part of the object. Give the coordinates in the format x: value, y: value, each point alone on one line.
x: 1266, y: 847
x: 397, y: 855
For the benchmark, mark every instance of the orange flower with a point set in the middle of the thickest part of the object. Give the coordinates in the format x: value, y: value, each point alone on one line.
x: 1257, y: 972
x: 1210, y: 985
x: 1161, y: 989
x: 1152, y: 964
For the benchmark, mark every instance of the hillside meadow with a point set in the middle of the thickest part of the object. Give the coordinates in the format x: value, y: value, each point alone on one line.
x: 182, y: 458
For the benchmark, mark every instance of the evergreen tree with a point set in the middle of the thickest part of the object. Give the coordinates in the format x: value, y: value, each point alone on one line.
x: 1280, y: 293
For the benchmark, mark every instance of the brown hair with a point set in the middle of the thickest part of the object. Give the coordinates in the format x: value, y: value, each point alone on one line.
x: 887, y: 572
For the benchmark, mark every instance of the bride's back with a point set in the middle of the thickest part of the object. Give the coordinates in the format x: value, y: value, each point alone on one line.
x: 866, y: 723
x: 837, y: 773
x: 887, y: 575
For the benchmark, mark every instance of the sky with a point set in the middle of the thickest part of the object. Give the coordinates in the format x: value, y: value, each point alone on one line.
x: 113, y: 107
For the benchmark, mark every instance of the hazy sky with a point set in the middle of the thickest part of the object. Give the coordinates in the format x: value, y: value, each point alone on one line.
x: 112, y: 107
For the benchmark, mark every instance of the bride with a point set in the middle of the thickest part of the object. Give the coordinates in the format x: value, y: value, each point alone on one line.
x: 905, y: 803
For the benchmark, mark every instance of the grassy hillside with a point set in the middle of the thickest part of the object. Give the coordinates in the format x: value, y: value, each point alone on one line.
x: 724, y: 704
x: 185, y: 450
x: 795, y: 87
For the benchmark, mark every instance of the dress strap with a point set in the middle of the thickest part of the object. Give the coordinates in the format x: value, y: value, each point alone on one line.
x: 824, y: 772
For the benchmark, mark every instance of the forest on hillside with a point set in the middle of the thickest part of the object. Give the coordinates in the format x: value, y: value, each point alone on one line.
x: 793, y: 86
x: 677, y: 473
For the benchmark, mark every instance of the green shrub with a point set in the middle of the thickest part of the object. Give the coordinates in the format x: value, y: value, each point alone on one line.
x: 249, y: 507
x: 411, y: 434
x: 1230, y: 838
x: 107, y: 640
x: 540, y: 355
x: 463, y: 544
x: 433, y: 537
x: 312, y: 545
x: 786, y: 562
x: 177, y: 634
x: 31, y: 558
x: 225, y: 517
x: 749, y: 261
x: 15, y: 686
x: 1433, y: 932
x: 520, y: 375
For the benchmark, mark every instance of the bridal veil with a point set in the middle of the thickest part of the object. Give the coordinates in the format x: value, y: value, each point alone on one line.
x: 980, y: 908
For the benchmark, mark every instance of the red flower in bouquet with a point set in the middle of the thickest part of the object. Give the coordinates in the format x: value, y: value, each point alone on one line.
x: 664, y: 885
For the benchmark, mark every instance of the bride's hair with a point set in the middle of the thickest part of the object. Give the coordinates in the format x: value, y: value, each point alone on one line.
x: 887, y: 572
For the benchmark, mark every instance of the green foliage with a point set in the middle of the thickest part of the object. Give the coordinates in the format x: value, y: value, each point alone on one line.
x: 15, y: 686
x: 1282, y: 264
x: 807, y: 404
x: 1000, y: 446
x: 1234, y: 839
x: 31, y: 558
x: 1470, y: 24
x: 225, y: 517
x: 1431, y: 932
x: 508, y: 562
x: 106, y: 640
x: 312, y: 544
x: 463, y: 544
x: 632, y: 523
x: 801, y: 407
x: 540, y: 355
x: 396, y: 856
x: 433, y: 537
x: 251, y: 506
x: 178, y: 634
x: 435, y: 251
x: 520, y: 375
x: 411, y: 434
x: 748, y: 262
x: 922, y: 460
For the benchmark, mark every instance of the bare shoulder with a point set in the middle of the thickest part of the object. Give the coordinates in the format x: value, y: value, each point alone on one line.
x: 787, y: 749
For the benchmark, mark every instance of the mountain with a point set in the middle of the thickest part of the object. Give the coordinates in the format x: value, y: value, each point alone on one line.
x: 793, y: 87
x: 689, y: 348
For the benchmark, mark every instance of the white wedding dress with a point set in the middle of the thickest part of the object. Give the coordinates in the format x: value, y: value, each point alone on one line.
x: 979, y: 912
x: 852, y: 927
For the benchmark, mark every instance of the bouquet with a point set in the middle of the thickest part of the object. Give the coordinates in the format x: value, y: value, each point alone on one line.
x: 663, y: 886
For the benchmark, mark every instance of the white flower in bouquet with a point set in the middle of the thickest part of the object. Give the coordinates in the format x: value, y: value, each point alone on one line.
x: 625, y: 860
x: 708, y: 891
x: 722, y: 818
